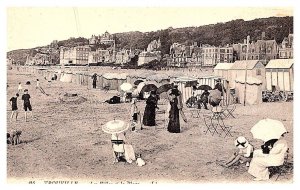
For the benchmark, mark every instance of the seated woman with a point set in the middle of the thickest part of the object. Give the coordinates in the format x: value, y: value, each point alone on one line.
x: 121, y: 148
x: 262, y: 160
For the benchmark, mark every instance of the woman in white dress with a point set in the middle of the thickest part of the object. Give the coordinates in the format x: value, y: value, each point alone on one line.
x: 260, y: 162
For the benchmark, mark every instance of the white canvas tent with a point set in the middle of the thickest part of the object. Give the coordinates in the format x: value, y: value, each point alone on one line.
x: 253, y: 90
x: 280, y: 72
x: 255, y: 69
x: 184, y: 87
x: 223, y: 70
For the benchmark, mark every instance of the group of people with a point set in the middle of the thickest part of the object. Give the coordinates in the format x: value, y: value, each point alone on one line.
x: 26, y: 105
x: 213, y: 98
x: 272, y: 153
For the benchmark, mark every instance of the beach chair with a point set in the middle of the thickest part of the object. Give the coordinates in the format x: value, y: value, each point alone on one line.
x: 228, y: 110
x: 210, y: 127
x: 214, y: 122
x: 195, y: 113
x: 285, y: 168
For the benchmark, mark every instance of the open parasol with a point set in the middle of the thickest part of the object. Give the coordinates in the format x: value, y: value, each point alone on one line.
x: 115, y: 126
x: 148, y: 88
x: 204, y: 87
x: 268, y: 129
x: 137, y: 82
x: 164, y: 88
x: 126, y: 87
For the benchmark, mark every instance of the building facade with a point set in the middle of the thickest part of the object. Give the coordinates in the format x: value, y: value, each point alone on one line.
x: 286, y: 48
x: 78, y: 55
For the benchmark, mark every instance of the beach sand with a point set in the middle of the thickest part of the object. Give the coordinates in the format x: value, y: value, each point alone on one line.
x: 65, y: 140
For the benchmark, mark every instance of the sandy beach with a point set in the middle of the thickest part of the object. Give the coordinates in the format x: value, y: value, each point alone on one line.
x: 64, y: 141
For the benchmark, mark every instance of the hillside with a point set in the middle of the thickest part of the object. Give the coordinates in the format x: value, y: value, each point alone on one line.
x: 214, y: 34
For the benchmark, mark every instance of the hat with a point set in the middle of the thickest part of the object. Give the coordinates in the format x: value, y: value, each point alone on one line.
x: 26, y: 90
x: 218, y: 80
x: 241, y: 142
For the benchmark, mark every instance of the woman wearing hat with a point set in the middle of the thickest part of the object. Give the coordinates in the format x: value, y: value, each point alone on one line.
x: 149, y: 113
x: 174, y: 122
x: 243, y: 154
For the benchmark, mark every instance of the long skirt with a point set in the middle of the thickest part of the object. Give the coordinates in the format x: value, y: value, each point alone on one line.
x: 149, y: 116
x: 174, y: 121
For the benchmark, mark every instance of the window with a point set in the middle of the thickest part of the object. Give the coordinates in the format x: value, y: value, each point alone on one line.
x: 258, y: 72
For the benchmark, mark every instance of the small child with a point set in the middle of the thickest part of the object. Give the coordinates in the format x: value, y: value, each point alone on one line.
x: 134, y: 114
x: 20, y: 88
x: 243, y: 154
x: 14, y: 107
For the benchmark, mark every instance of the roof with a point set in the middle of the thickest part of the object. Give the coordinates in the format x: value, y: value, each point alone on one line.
x: 280, y: 64
x: 223, y: 66
x: 185, y: 79
x: 250, y: 80
x: 115, y: 75
x: 241, y: 65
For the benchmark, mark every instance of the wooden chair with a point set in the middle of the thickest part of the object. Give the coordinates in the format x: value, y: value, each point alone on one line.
x: 119, y: 154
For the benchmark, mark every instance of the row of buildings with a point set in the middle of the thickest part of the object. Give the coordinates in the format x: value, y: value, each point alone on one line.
x: 180, y: 55
x: 208, y: 56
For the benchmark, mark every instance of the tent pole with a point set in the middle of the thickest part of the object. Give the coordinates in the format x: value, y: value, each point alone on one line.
x: 248, y: 38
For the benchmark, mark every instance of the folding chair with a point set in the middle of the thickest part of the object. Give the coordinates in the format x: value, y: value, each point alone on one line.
x: 195, y: 113
x: 210, y: 127
x: 228, y: 110
x: 106, y: 88
x: 285, y: 168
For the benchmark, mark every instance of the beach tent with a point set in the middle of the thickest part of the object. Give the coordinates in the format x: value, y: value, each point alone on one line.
x: 255, y: 69
x: 222, y: 70
x: 114, y: 80
x: 280, y: 72
x: 253, y: 90
x: 66, y: 77
x: 185, y: 87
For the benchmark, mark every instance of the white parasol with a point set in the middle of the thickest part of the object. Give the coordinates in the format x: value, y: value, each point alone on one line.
x: 268, y: 129
x: 126, y: 87
x: 115, y: 126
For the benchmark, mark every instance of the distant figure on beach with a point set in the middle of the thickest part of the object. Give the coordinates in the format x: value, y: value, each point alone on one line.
x: 244, y: 153
x: 175, y: 109
x: 220, y: 87
x: 27, y: 104
x: 38, y: 86
x: 135, y: 115
x: 149, y: 113
x: 214, y: 97
x: 20, y: 88
x: 14, y: 107
x: 94, y: 77
x: 203, y: 99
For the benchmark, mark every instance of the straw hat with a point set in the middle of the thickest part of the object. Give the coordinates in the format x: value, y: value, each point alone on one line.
x: 241, y: 142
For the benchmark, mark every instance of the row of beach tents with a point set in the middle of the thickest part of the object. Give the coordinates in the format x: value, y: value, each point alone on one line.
x: 113, y: 81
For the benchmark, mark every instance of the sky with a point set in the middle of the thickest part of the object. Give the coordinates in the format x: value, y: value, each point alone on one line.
x: 29, y: 27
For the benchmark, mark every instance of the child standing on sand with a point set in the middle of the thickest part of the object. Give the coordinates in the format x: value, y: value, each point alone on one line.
x: 27, y: 105
x: 20, y: 87
x: 14, y: 107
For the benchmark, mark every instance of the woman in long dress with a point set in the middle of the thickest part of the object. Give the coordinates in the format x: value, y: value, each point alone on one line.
x: 175, y: 110
x: 149, y: 113
x: 260, y: 162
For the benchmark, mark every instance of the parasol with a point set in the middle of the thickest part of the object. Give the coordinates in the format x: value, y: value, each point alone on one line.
x: 148, y: 88
x: 126, y: 87
x: 137, y: 82
x: 115, y: 126
x: 164, y: 88
x: 268, y: 129
x: 204, y: 87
